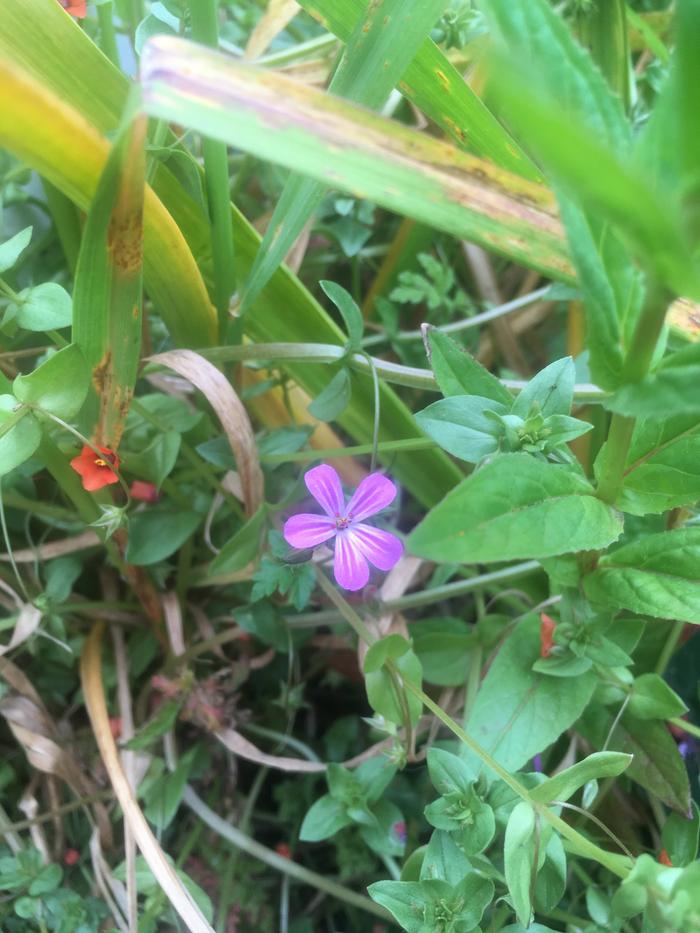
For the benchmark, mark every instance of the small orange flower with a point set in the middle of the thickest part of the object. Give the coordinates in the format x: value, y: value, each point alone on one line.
x: 96, y: 471
x: 664, y: 859
x: 77, y: 8
x: 547, y: 626
x: 144, y: 492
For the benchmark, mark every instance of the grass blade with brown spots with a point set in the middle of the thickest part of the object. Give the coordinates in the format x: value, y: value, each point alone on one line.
x: 108, y: 285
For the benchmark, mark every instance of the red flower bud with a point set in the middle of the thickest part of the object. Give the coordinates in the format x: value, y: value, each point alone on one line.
x: 664, y: 859
x: 115, y: 727
x: 547, y: 626
x: 77, y: 8
x: 144, y: 492
x: 71, y: 857
x: 283, y: 849
x: 96, y: 471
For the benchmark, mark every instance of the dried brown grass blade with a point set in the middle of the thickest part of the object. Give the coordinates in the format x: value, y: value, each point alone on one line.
x: 278, y: 15
x: 93, y: 689
x: 54, y: 548
x: 220, y: 394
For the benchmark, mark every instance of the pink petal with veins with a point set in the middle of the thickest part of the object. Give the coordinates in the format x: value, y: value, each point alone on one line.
x: 374, y: 493
x: 382, y: 549
x: 324, y: 485
x: 306, y: 530
x: 350, y: 568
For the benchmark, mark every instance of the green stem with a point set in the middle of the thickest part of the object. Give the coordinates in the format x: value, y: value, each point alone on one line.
x: 686, y: 726
x: 278, y: 862
x: 635, y: 368
x: 205, y: 29
x: 460, y: 587
x: 669, y: 647
x: 413, y: 377
x: 384, y: 447
x: 108, y: 36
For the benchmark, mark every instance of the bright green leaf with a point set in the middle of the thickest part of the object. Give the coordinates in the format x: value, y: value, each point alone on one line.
x: 58, y: 386
x: 20, y: 434
x: 44, y: 307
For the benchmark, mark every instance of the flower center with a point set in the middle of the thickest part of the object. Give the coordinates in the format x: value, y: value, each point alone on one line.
x: 342, y: 522
x: 100, y: 462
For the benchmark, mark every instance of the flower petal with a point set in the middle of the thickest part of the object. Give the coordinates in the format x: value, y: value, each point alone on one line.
x: 374, y: 493
x: 306, y: 530
x: 350, y: 568
x: 381, y: 548
x: 324, y: 485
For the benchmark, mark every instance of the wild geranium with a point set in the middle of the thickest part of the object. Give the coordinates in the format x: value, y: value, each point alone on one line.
x: 356, y: 543
x: 96, y: 470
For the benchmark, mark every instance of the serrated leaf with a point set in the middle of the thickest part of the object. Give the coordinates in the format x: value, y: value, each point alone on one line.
x: 515, y: 507
x: 656, y: 575
x: 58, y: 386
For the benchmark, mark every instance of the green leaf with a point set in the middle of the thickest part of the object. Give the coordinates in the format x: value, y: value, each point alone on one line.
x: 47, y: 880
x: 334, y: 399
x: 457, y: 372
x: 58, y: 386
x: 515, y: 507
x: 164, y: 796
x: 382, y: 836
x: 551, y: 878
x: 381, y: 686
x: 657, y: 764
x: 652, y: 698
x: 448, y: 772
x: 11, y: 249
x: 687, y: 109
x: 443, y: 646
x: 680, y: 837
x: 161, y: 722
x: 242, y: 548
x: 325, y: 818
x: 444, y: 860
x: 351, y: 314
x: 669, y: 390
x: 460, y: 425
x: 567, y: 782
x: 44, y: 307
x: 536, y: 35
x: 656, y: 575
x: 550, y: 392
x: 405, y: 901
x: 158, y: 459
x: 156, y: 533
x: 18, y: 441
x: 663, y: 466
x: 519, y: 859
x: 374, y: 776
x: 518, y: 713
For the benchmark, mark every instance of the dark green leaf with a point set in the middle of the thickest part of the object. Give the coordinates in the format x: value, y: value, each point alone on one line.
x: 160, y: 723
x: 444, y: 860
x: 680, y: 837
x: 443, y: 647
x: 155, y: 534
x: 242, y: 547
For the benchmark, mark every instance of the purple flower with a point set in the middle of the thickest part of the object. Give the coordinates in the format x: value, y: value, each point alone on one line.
x: 355, y: 542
